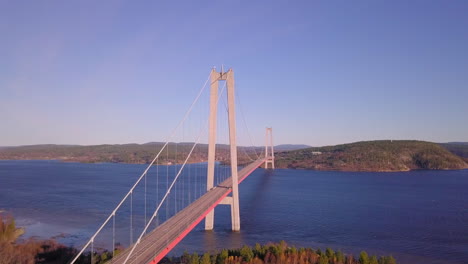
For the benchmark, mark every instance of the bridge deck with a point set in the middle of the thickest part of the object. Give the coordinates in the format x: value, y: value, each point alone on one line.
x: 157, y: 243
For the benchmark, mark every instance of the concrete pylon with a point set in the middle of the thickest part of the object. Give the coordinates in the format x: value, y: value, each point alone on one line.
x: 269, y: 155
x: 232, y: 200
x: 214, y: 77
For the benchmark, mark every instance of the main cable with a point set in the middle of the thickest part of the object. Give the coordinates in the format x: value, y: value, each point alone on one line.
x: 173, y: 183
x: 146, y: 170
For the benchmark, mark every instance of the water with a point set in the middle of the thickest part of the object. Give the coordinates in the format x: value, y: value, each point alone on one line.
x: 418, y: 216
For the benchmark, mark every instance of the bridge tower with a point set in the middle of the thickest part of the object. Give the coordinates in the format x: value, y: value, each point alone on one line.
x: 269, y: 155
x: 232, y: 200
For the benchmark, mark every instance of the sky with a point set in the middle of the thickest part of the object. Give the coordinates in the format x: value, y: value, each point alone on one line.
x: 318, y: 72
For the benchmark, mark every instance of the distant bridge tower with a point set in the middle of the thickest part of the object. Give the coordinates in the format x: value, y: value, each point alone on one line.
x: 233, y: 200
x: 269, y: 155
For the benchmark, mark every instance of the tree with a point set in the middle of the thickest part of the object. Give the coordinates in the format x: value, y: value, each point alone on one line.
x: 104, y: 256
x: 8, y: 231
x: 293, y: 250
x: 222, y: 257
x: 387, y: 260
x: 382, y: 260
x: 282, y: 246
x: 274, y: 250
x: 363, y: 258
x: 205, y: 259
x: 340, y: 256
x: 258, y: 249
x: 246, y: 253
x: 195, y: 259
x: 323, y: 259
x: 185, y: 258
x: 214, y: 259
x: 373, y: 260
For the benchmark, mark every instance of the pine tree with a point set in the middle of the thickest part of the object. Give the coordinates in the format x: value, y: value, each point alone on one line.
x: 195, y: 259
x: 323, y: 259
x: 363, y: 258
x: 222, y: 257
x: 246, y: 253
x: 205, y: 259
x: 340, y: 257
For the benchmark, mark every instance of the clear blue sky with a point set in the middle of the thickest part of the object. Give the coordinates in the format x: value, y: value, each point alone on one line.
x: 319, y: 72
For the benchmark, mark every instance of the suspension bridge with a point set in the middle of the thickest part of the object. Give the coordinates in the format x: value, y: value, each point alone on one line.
x: 221, y: 182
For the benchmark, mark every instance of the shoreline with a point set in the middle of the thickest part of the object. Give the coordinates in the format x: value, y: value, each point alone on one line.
x: 277, y: 167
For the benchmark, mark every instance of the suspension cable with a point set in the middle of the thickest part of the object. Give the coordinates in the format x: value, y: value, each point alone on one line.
x: 245, y: 124
x: 167, y: 182
x: 203, y: 129
x: 175, y: 173
x: 92, y: 251
x: 157, y: 183
x: 146, y: 170
x: 113, y: 236
x: 131, y: 218
x: 146, y: 176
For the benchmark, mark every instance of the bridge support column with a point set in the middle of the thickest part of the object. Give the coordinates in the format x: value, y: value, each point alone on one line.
x: 235, y: 215
x: 214, y: 77
x: 234, y: 199
x: 269, y: 155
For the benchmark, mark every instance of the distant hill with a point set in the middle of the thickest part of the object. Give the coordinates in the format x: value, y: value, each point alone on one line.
x: 121, y: 153
x: 457, y: 143
x: 287, y: 147
x: 383, y: 155
x: 457, y: 148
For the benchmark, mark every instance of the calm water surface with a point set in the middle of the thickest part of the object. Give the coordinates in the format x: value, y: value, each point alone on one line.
x: 419, y: 216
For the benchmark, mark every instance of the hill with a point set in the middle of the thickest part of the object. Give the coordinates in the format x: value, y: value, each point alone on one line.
x: 383, y: 155
x: 457, y: 148
x: 457, y: 143
x: 125, y: 153
x: 287, y: 147
x: 386, y: 155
